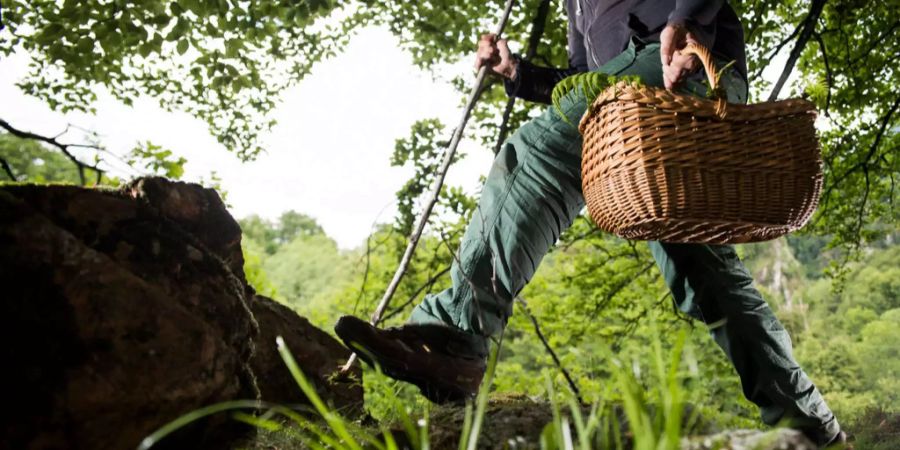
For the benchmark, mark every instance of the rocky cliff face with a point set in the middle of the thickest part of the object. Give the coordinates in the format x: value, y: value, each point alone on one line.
x: 123, y: 309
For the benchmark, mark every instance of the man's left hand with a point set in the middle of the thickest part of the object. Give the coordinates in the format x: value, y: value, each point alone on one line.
x: 675, y: 65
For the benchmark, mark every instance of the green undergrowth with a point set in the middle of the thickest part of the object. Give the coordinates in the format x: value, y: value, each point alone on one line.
x: 642, y: 409
x: 876, y: 429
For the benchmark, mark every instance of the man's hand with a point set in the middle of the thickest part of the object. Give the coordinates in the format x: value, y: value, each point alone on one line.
x: 675, y: 65
x: 494, y: 53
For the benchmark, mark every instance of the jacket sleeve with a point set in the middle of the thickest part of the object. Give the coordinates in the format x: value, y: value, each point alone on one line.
x: 535, y: 83
x: 699, y: 16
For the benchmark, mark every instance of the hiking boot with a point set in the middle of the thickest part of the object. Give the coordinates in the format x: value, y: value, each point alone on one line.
x: 445, y: 363
x: 825, y: 437
x: 839, y: 442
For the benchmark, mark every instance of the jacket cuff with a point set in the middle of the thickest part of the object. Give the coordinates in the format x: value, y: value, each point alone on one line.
x: 680, y: 18
x: 512, y: 85
x: 700, y: 33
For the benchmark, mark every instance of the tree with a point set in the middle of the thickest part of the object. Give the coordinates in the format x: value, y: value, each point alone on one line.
x: 223, y: 61
x: 32, y: 160
x: 270, y: 236
x: 28, y: 160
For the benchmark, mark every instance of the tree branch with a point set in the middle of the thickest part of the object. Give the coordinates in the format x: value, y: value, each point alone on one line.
x: 885, y: 121
x: 877, y: 42
x: 8, y: 169
x: 367, y: 256
x: 865, y: 167
x: 631, y: 324
x: 620, y: 287
x: 572, y: 241
x: 829, y: 78
x: 428, y: 284
x: 864, y: 164
x: 537, y: 30
x: 64, y: 148
x: 808, y: 27
x: 765, y: 62
x: 540, y: 335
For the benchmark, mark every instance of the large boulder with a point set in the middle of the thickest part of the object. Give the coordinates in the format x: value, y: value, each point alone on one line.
x: 123, y: 309
x: 319, y: 355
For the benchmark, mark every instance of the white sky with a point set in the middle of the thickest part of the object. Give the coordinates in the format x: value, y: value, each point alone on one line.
x: 329, y: 155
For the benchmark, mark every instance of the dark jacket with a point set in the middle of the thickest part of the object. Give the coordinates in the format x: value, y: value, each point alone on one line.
x: 601, y: 29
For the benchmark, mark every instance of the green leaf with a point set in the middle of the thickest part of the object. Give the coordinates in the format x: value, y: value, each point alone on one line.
x: 183, y: 46
x: 233, y: 48
x: 145, y: 49
x: 50, y: 33
x: 85, y: 44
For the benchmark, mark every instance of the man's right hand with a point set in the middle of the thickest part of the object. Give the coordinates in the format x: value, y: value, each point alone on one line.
x: 494, y: 53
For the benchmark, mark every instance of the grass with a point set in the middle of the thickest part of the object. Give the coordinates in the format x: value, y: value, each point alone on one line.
x: 651, y: 415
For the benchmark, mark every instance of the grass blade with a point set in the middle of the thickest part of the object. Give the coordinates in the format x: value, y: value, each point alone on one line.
x: 193, y: 416
x: 334, y: 421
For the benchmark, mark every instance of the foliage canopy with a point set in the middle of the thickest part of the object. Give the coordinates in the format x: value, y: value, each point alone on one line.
x: 224, y: 61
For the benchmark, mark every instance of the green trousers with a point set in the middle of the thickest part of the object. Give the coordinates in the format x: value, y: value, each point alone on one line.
x: 533, y: 193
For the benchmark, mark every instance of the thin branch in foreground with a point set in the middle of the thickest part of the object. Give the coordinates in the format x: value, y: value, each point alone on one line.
x: 8, y: 170
x: 64, y: 148
x: 864, y: 164
x: 367, y: 256
x: 829, y: 78
x: 448, y: 158
x: 808, y: 27
x: 621, y: 287
x: 537, y: 30
x: 865, y: 168
x: 540, y: 335
x: 767, y: 60
x: 427, y: 285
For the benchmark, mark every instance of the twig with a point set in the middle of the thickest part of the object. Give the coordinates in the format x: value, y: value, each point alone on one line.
x: 885, y: 121
x: 534, y: 39
x: 809, y: 26
x: 435, y: 190
x: 574, y: 240
x: 64, y: 148
x: 428, y: 284
x: 829, y: 78
x: 8, y: 169
x: 632, y: 323
x: 865, y: 168
x: 367, y: 256
x: 620, y: 287
x: 876, y: 43
x: 540, y: 335
x: 765, y: 62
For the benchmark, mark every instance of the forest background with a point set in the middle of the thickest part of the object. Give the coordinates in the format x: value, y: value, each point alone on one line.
x: 835, y: 285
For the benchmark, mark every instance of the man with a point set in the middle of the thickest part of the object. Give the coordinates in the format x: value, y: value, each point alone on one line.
x: 533, y: 193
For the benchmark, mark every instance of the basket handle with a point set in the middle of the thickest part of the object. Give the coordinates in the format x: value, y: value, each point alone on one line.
x: 709, y: 66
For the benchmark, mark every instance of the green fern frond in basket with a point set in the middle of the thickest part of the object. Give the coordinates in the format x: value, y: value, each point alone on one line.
x: 720, y: 91
x: 591, y: 84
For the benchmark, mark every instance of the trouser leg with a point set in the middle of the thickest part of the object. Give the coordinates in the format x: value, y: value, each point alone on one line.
x: 532, y: 194
x: 710, y: 283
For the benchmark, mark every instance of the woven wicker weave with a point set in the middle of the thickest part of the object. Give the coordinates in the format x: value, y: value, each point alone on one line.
x: 678, y: 168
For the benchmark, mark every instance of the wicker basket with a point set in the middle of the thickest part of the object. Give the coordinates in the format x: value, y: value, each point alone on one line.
x: 679, y: 168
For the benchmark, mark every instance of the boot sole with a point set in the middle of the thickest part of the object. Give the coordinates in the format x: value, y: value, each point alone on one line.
x: 433, y: 390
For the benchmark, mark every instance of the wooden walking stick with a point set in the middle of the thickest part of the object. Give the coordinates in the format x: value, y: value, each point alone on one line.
x: 435, y: 188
